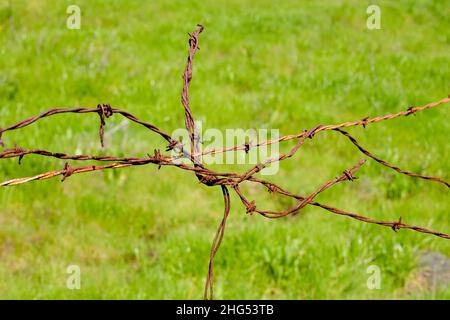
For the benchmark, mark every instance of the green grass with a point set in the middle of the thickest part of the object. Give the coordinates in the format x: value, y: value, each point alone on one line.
x: 140, y: 233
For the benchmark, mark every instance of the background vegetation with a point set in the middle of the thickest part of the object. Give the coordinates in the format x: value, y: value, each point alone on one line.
x: 141, y: 233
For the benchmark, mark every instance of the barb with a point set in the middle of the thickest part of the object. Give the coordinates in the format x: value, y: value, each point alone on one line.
x: 104, y: 111
x: 212, y: 178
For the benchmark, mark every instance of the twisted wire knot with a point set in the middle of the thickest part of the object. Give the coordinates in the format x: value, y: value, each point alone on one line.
x: 193, y: 38
x: 157, y: 156
x: 397, y: 225
x: 272, y: 189
x: 104, y: 111
x: 20, y: 151
x: 364, y: 122
x: 349, y: 176
x: 251, y: 207
x: 310, y: 133
x: 17, y: 149
x: 68, y: 171
x: 247, y: 147
x: 410, y: 110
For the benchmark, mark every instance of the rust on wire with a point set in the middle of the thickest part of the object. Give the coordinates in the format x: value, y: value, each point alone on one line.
x: 387, y: 164
x: 212, y: 178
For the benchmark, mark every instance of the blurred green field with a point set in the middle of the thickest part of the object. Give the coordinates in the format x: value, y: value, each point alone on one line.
x: 140, y: 233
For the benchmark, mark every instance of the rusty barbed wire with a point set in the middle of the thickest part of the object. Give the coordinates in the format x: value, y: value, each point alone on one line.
x: 387, y: 164
x: 251, y: 206
x: 209, y: 177
x: 105, y: 111
x: 274, y: 188
x: 363, y: 122
x: 216, y: 244
x: 187, y: 77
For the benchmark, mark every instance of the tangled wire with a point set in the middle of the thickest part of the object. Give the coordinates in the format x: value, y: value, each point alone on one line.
x: 208, y: 177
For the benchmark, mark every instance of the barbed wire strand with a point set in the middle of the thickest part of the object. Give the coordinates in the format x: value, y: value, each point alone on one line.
x: 274, y: 188
x: 216, y: 244
x: 251, y: 206
x: 364, y: 122
x: 387, y: 164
